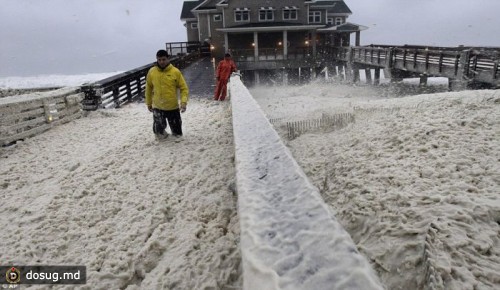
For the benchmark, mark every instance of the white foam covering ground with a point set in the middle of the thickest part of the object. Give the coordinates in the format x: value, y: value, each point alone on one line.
x: 414, y: 180
x: 416, y: 188
x: 102, y: 193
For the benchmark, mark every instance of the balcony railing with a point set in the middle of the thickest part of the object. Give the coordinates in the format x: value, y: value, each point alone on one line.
x: 269, y: 54
x: 183, y: 48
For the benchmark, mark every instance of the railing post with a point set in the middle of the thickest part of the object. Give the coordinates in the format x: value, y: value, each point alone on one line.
x: 390, y: 62
x: 405, y: 52
x: 495, y: 69
x: 440, y: 62
x: 426, y: 61
x: 472, y: 68
x: 92, y: 97
x: 465, y: 63
x: 462, y: 72
x: 129, y: 92
x: 415, y: 55
x: 139, y: 88
x: 457, y: 63
x: 116, y: 97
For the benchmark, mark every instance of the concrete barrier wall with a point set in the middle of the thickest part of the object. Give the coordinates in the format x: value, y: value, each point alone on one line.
x: 27, y: 115
x: 290, y: 239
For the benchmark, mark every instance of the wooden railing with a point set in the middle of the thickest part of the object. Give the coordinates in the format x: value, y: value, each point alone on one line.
x: 471, y: 64
x: 30, y: 114
x: 8, y: 92
x: 183, y: 48
x: 117, y: 90
x: 271, y: 54
x: 27, y: 115
x: 483, y: 66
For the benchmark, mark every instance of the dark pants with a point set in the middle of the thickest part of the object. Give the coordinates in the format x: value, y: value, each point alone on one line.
x: 160, y: 118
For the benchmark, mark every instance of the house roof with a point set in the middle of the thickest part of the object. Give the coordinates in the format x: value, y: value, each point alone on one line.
x: 207, y: 4
x: 323, y: 3
x: 340, y: 7
x: 334, y: 7
x: 187, y: 7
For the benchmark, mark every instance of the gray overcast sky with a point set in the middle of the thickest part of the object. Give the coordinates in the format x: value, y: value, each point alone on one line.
x: 92, y: 36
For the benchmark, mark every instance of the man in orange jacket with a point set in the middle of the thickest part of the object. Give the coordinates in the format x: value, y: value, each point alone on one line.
x: 224, y: 70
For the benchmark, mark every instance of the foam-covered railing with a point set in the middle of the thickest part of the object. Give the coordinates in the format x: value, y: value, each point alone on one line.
x: 290, y: 239
x: 27, y: 115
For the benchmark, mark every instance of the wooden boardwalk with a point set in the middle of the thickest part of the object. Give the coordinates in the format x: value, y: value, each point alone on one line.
x: 200, y: 77
x: 117, y: 90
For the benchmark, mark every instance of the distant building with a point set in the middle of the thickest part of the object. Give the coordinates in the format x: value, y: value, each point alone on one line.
x: 257, y: 29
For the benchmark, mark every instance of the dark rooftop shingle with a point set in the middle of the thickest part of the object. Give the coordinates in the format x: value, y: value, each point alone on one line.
x: 187, y: 7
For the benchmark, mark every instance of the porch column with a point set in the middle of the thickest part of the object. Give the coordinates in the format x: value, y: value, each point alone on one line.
x: 285, y: 46
x: 350, y: 68
x: 314, y: 42
x: 358, y: 38
x: 256, y: 47
x: 226, y: 42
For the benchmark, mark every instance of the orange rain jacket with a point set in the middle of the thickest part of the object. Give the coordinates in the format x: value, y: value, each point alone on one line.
x: 225, y: 68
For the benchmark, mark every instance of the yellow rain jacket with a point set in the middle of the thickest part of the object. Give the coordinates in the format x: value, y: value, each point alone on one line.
x: 162, y: 85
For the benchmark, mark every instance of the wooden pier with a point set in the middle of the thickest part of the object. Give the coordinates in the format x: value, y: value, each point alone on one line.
x: 464, y: 66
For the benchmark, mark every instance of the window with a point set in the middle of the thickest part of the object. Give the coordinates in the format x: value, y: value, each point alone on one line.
x: 217, y: 17
x: 339, y: 20
x: 314, y: 16
x: 194, y: 25
x: 329, y: 20
x: 290, y: 13
x: 241, y: 15
x: 266, y: 14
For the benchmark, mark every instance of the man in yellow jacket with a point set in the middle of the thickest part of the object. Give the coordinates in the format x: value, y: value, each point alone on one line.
x: 162, y: 82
